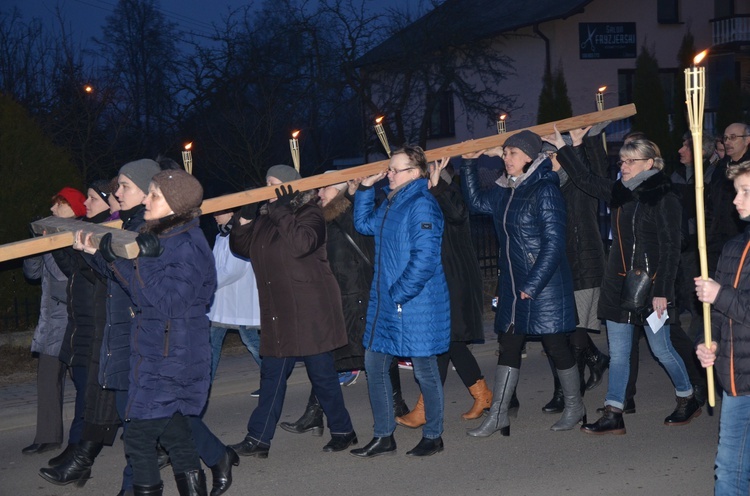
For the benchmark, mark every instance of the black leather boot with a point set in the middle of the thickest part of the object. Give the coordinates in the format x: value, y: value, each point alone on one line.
x: 687, y: 409
x: 610, y: 423
x: 597, y: 363
x: 377, y: 446
x: 155, y: 490
x: 311, y: 420
x: 222, y: 472
x: 400, y: 408
x: 191, y: 483
x: 578, y: 355
x: 78, y: 468
x: 557, y: 403
x: 162, y: 457
x: 251, y: 447
x: 63, y: 457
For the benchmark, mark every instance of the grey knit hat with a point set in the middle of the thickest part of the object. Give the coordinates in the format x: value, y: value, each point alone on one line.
x: 140, y: 172
x: 283, y: 173
x: 526, y: 141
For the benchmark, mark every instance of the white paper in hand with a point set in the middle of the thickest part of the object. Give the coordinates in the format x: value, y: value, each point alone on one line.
x: 656, y: 323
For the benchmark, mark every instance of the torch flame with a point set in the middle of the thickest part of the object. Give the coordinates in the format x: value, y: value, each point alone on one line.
x: 379, y: 119
x: 602, y: 88
x: 188, y: 146
x: 698, y: 58
x: 503, y: 117
x: 88, y: 88
x: 295, y: 134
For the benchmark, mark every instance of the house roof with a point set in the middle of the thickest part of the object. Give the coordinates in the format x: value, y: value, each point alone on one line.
x: 459, y: 22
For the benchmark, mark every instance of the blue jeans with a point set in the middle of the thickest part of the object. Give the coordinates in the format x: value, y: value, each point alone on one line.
x: 733, y: 456
x: 381, y: 393
x: 620, y: 337
x: 249, y: 335
x: 274, y: 373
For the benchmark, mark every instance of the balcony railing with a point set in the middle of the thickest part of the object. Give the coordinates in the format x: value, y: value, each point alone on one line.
x: 731, y: 30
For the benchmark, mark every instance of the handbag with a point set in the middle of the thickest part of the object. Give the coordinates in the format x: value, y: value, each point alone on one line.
x: 636, y: 288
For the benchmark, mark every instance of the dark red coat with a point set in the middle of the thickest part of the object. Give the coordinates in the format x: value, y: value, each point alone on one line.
x: 300, y: 301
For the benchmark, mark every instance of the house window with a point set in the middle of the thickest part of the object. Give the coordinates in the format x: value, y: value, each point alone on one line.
x: 723, y: 8
x: 667, y: 78
x: 442, y: 121
x: 667, y: 12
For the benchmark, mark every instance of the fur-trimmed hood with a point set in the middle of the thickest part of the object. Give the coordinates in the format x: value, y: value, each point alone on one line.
x: 649, y: 192
x: 300, y: 199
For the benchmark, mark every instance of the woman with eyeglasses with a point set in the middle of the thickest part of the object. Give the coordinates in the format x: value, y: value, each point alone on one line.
x: 646, y: 220
x: 409, y: 310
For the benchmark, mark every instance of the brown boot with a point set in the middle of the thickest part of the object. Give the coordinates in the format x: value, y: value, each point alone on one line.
x: 414, y: 418
x: 482, y: 400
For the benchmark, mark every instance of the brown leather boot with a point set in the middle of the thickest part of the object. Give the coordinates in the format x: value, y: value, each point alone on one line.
x: 482, y: 400
x: 414, y: 418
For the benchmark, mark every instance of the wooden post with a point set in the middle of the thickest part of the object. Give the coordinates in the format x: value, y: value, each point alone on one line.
x: 50, y: 242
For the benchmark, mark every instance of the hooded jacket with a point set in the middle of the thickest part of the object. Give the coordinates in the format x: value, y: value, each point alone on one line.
x: 529, y: 216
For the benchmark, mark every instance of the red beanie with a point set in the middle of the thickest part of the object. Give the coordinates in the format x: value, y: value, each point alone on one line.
x: 75, y: 199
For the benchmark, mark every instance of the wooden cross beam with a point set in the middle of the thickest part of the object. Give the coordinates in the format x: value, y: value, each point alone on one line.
x: 53, y: 241
x: 123, y: 242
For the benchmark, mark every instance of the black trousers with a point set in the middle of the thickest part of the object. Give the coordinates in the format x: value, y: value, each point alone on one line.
x: 557, y: 347
x: 466, y: 365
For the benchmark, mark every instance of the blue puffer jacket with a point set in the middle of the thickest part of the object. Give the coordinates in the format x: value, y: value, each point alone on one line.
x: 170, y: 357
x: 114, y: 356
x: 529, y: 219
x: 408, y: 230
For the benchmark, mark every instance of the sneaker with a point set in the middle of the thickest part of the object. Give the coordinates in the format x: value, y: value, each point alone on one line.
x: 255, y: 394
x: 405, y: 364
x: 348, y: 378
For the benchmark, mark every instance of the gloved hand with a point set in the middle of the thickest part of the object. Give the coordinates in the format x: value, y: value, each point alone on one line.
x: 105, y: 248
x: 249, y: 211
x: 284, y: 196
x: 148, y: 244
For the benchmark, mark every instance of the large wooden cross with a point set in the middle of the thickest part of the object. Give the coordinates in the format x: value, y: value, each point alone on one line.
x: 60, y: 235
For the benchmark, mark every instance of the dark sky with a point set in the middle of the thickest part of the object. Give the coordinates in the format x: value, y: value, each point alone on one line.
x: 84, y: 18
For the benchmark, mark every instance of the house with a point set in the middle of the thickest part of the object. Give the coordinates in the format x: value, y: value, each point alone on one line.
x: 596, y: 42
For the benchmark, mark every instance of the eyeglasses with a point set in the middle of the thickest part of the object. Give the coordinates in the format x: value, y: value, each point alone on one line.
x: 629, y: 161
x: 394, y: 171
x: 733, y: 137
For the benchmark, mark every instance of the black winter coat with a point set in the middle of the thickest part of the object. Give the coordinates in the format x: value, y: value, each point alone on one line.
x: 731, y: 318
x: 460, y: 265
x: 583, y: 241
x: 114, y: 365
x: 353, y: 272
x: 652, y: 212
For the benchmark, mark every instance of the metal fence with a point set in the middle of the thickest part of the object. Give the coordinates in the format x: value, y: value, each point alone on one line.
x: 485, y: 243
x: 20, y: 314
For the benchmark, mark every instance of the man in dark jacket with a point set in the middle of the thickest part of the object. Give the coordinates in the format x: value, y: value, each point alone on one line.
x: 729, y: 350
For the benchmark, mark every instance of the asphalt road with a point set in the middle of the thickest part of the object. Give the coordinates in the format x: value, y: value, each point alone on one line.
x: 651, y: 459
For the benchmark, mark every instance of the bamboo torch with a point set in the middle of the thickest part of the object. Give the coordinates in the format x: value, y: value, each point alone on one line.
x: 501, y: 123
x: 380, y: 131
x: 187, y: 158
x: 600, y: 107
x: 695, y: 92
x: 294, y: 148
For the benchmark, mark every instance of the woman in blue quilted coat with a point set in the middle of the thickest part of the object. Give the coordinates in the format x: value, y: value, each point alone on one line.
x: 535, y: 285
x: 409, y: 310
x: 171, y: 284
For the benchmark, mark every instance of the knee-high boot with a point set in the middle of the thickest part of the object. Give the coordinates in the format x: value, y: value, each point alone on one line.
x: 155, y: 490
x: 506, y: 379
x: 597, y: 362
x: 400, y: 409
x: 311, y: 420
x: 78, y: 468
x: 191, y: 483
x: 570, y: 381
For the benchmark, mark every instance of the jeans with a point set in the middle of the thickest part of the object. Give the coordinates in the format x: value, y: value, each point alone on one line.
x: 250, y: 337
x: 381, y: 393
x: 274, y: 373
x: 733, y: 456
x: 620, y: 337
x: 173, y: 434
